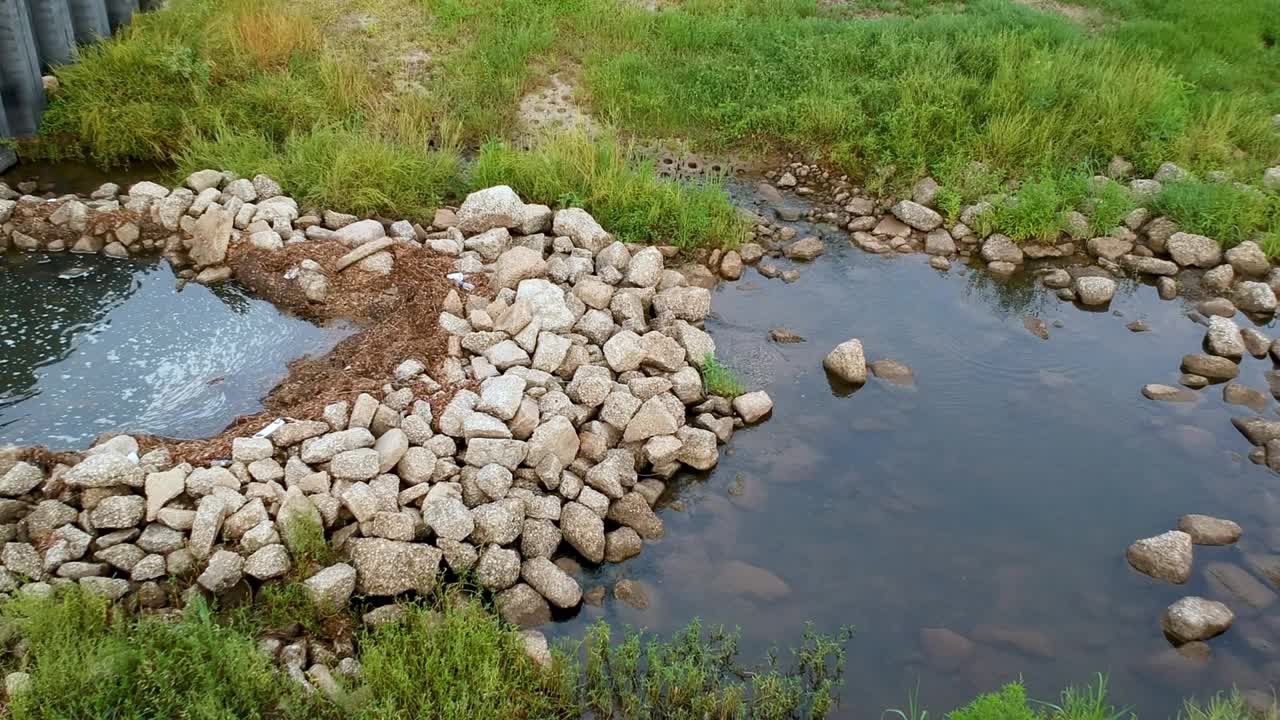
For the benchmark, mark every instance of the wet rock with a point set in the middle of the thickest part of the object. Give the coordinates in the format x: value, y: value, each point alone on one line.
x: 1057, y: 278
x: 1166, y: 393
x: 1000, y: 248
x: 1255, y: 343
x: 1237, y: 394
x: 847, y: 362
x: 1223, y: 339
x: 1218, y: 279
x: 1254, y: 297
x: 784, y: 336
x: 1208, y: 530
x: 632, y: 593
x: 1138, y: 326
x: 939, y: 263
x: 1167, y: 288
x: 894, y: 372
x: 1037, y: 327
x: 1029, y: 641
x: 1094, y: 291
x: 1148, y: 265
x: 740, y: 578
x: 551, y: 582
x: 945, y: 649
x: 1234, y: 581
x: 1220, y: 307
x: 1210, y: 366
x: 1195, y: 618
x: 622, y: 544
x: 806, y: 248
x: 1164, y: 557
x: 755, y: 406
x: 1258, y: 430
x: 939, y: 243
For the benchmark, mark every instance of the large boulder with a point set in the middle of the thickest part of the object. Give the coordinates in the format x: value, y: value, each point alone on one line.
x: 1223, y: 339
x: 495, y: 207
x: 1095, y: 291
x: 390, y: 567
x: 1194, y: 250
x: 208, y: 243
x: 517, y: 264
x: 578, y: 225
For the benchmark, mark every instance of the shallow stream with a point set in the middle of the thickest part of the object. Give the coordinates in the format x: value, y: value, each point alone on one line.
x: 995, y: 497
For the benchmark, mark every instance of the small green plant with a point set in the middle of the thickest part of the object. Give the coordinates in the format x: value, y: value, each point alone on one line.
x: 1228, y: 706
x: 1110, y: 204
x: 913, y: 710
x: 304, y: 536
x: 1010, y: 703
x: 720, y: 380
x: 695, y: 675
x: 1088, y: 703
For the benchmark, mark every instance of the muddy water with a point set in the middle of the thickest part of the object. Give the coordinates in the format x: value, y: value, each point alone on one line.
x: 1000, y: 490
x: 91, y: 344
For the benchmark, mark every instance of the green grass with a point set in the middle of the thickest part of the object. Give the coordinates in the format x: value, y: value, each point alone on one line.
x: 307, y: 545
x: 88, y: 660
x: 1222, y: 211
x: 884, y: 90
x: 720, y: 380
x: 624, y: 195
x: 451, y: 658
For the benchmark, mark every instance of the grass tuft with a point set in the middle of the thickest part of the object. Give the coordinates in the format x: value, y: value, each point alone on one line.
x: 1227, y: 212
x: 720, y: 380
x: 87, y: 660
x: 625, y: 195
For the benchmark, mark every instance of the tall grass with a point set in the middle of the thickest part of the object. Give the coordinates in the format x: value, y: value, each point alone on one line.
x: 1223, y: 211
x: 622, y: 193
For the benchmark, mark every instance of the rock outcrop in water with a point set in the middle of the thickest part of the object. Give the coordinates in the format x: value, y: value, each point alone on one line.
x: 564, y: 402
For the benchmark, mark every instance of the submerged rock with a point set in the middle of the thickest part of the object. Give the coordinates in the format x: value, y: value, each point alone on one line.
x: 945, y: 649
x: 1166, y: 393
x: 1208, y: 530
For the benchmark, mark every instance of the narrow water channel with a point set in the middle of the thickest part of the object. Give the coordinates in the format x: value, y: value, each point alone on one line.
x: 90, y: 344
x: 994, y: 497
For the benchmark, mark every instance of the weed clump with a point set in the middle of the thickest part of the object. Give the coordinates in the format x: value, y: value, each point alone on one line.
x: 720, y: 380
x: 624, y: 194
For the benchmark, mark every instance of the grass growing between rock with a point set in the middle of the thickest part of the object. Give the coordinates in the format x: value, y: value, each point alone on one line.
x: 720, y: 380
x: 88, y: 660
x: 626, y: 196
x: 1223, y: 211
x: 450, y: 658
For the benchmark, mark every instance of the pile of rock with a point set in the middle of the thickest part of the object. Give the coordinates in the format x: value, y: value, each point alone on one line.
x: 584, y: 396
x: 1168, y: 557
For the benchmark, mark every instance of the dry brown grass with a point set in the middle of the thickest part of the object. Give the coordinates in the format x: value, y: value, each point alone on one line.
x: 270, y: 34
x: 399, y: 313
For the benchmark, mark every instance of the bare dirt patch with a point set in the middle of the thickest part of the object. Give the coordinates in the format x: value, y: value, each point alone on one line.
x: 550, y: 109
x: 1076, y: 13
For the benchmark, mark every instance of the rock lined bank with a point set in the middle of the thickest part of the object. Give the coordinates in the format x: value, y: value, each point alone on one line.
x: 542, y: 439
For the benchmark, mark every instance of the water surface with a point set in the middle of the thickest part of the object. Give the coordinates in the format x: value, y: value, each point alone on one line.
x: 1001, y: 489
x: 90, y: 344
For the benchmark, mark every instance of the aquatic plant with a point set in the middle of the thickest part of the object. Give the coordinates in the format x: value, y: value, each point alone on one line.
x: 720, y: 380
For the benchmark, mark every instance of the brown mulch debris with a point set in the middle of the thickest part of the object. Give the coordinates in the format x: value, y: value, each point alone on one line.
x: 399, y: 313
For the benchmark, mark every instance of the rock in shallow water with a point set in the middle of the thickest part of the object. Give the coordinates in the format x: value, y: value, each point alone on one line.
x: 847, y: 362
x: 1208, y: 530
x: 1165, y: 557
x: 1195, y: 618
x: 1166, y: 393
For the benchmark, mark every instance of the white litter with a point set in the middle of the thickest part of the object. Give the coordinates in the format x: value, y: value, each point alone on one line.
x: 274, y: 426
x: 461, y: 281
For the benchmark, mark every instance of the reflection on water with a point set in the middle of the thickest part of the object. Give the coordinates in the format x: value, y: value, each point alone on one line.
x: 90, y: 344
x: 995, y: 498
